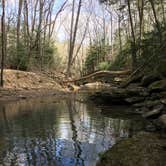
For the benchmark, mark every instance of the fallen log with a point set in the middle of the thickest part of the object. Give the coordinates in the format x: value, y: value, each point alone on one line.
x: 98, y: 73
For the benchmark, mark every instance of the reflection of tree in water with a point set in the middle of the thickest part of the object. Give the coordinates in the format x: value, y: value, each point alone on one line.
x: 30, y: 131
x: 77, y: 147
x: 114, y: 128
x: 3, y: 129
x: 65, y: 133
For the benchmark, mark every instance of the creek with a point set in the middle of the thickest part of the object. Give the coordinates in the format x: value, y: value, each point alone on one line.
x: 67, y: 130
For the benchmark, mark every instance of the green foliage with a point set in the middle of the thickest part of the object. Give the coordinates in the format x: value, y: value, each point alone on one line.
x: 150, y: 45
x: 48, y: 54
x: 17, y: 58
x: 153, y: 45
x: 95, y: 55
x: 122, y: 59
x: 20, y: 56
x: 103, y: 65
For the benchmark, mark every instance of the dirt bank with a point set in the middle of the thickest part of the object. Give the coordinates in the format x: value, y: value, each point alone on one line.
x: 22, y: 85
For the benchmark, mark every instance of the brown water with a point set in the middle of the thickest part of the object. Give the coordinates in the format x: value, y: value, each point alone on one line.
x: 57, y: 132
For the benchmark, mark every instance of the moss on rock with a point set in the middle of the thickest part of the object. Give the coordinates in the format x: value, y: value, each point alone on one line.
x: 145, y: 150
x: 158, y: 85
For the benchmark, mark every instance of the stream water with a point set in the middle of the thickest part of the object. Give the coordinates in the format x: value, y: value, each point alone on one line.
x: 64, y: 131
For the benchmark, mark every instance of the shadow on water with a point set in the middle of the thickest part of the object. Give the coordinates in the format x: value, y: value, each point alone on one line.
x: 53, y: 132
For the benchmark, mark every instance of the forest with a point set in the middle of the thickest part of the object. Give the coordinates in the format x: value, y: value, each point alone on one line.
x: 107, y: 54
x: 96, y: 35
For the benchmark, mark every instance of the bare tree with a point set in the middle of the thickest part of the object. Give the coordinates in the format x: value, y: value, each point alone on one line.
x: 73, y: 35
x: 155, y: 17
x: 3, y: 40
x: 18, y: 27
x: 56, y: 16
x: 133, y: 43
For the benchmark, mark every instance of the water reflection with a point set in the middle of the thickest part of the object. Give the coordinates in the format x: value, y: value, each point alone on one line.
x: 50, y: 132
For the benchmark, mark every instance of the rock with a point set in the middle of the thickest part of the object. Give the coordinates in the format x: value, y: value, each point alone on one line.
x: 136, y: 78
x: 163, y: 101
x: 161, y: 68
x: 144, y: 109
x: 141, y: 110
x: 133, y: 100
x: 116, y: 96
x: 22, y: 97
x: 155, y: 113
x: 149, y: 79
x: 149, y: 103
x: 118, y: 79
x: 95, y: 85
x: 145, y: 150
x: 136, y: 90
x: 162, y: 120
x: 72, y: 87
x: 150, y: 128
x: 158, y: 86
x: 158, y: 95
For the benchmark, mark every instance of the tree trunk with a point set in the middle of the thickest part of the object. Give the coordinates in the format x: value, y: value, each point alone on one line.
x: 38, y: 37
x: 133, y: 43
x: 3, y: 40
x: 141, y: 13
x: 112, y: 45
x: 155, y: 17
x: 73, y: 36
x: 18, y: 30
x: 119, y: 33
x: 163, y: 10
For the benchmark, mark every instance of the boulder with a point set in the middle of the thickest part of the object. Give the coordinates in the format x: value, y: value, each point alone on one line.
x: 155, y: 113
x: 149, y: 79
x: 22, y: 97
x: 150, y: 127
x: 158, y: 86
x: 162, y: 120
x: 136, y: 90
x: 116, y: 96
x: 133, y: 100
x: 148, y: 103
x: 143, y: 150
x: 141, y: 110
x: 159, y: 95
x: 161, y: 68
x: 95, y: 85
x: 163, y: 101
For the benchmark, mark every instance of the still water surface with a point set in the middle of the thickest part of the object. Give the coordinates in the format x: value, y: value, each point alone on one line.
x: 56, y: 132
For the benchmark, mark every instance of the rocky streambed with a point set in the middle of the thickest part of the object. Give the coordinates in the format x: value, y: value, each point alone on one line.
x: 148, y: 101
x: 146, y: 97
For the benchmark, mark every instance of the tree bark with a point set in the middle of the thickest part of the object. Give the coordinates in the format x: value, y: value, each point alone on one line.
x: 3, y: 40
x: 18, y: 29
x: 73, y: 37
x: 133, y: 42
x: 155, y: 17
x: 119, y: 33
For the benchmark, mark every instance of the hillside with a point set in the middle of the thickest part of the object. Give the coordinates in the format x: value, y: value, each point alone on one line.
x: 20, y: 84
